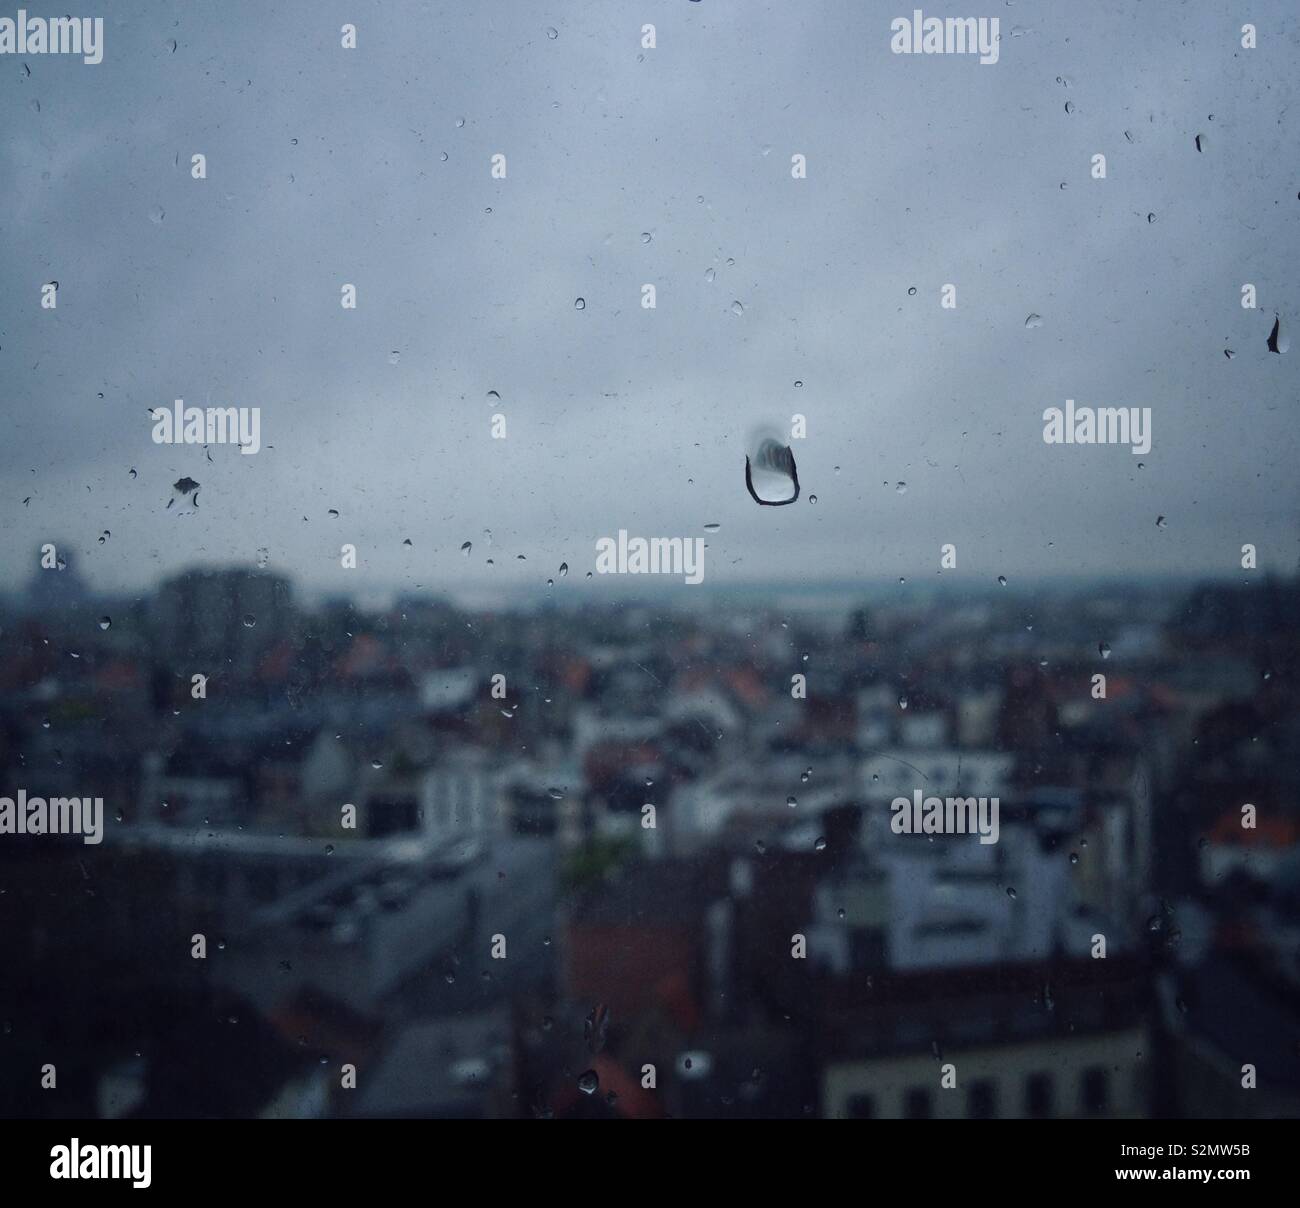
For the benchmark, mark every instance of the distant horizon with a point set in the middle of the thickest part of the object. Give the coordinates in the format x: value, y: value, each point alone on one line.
x: 575, y: 590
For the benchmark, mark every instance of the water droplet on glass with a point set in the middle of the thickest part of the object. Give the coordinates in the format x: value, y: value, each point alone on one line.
x: 1002, y: 580
x: 589, y: 1083
x: 579, y: 304
x: 1034, y: 321
x: 105, y: 622
x: 443, y: 157
x: 394, y: 357
x: 157, y: 214
x: 1151, y: 218
x: 460, y: 121
x: 820, y: 845
x: 771, y: 476
x: 263, y: 557
x: 646, y: 236
x: 552, y: 32
x: 1160, y: 522
x: 467, y: 548
x: 1201, y: 142
x: 1074, y: 857
x: 902, y: 702
x: 1103, y: 648
x: 131, y: 472
x: 911, y: 293
x: 712, y: 528
x: 104, y: 536
x: 249, y: 620
x: 1069, y: 106
x: 760, y: 846
x: 564, y: 570
x: 1277, y: 342
x: 737, y: 308
x: 812, y: 498
x: 901, y: 488
x: 710, y: 274
x: 791, y: 802
x: 1011, y: 893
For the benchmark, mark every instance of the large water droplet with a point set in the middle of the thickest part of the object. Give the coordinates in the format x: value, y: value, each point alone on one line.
x: 467, y: 548
x: 771, y: 476
x: 579, y: 304
x: 1034, y: 321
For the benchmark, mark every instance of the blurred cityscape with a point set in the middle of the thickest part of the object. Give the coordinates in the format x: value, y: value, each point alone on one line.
x: 508, y: 931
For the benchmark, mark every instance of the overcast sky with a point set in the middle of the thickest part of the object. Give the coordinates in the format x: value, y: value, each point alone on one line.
x: 324, y: 168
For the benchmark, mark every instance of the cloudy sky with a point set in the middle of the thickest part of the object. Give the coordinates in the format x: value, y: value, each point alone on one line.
x: 326, y: 166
